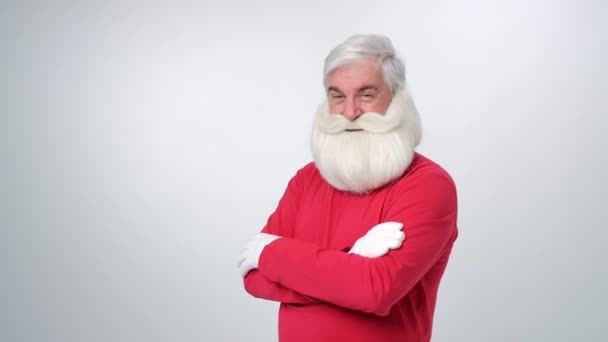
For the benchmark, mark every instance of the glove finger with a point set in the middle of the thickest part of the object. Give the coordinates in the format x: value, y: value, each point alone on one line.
x: 393, y: 243
x: 383, y: 251
x: 375, y: 251
x: 388, y: 226
x: 395, y: 235
x: 244, y: 268
x: 242, y: 257
x: 241, y: 269
x: 379, y: 236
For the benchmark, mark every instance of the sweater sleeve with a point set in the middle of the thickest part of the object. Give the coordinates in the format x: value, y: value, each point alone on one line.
x: 259, y: 286
x: 280, y: 223
x: 426, y: 205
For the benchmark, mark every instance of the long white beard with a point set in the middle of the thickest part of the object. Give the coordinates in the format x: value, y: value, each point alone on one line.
x: 362, y: 161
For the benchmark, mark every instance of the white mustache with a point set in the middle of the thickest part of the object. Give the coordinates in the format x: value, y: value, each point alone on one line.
x: 369, y: 122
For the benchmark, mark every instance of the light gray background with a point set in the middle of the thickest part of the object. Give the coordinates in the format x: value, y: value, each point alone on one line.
x: 142, y: 143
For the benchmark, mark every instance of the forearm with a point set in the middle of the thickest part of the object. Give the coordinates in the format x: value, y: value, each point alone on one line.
x: 259, y: 286
x: 347, y: 280
x: 333, y: 276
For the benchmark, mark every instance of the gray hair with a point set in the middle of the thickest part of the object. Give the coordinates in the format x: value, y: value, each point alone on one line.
x: 362, y: 47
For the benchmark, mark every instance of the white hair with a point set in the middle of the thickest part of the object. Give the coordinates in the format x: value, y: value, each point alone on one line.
x: 362, y: 47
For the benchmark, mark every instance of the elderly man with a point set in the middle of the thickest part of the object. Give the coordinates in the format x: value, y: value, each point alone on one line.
x: 360, y: 239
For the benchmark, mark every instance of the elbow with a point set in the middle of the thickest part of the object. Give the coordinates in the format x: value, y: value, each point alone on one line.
x: 379, y: 304
x: 382, y: 293
x: 383, y: 310
x: 379, y: 307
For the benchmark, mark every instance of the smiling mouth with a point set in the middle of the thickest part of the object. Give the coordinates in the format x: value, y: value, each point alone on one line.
x: 353, y: 129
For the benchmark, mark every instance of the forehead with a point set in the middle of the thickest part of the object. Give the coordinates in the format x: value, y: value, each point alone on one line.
x: 356, y: 75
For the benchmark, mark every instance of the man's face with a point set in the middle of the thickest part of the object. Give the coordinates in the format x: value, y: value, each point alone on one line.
x: 358, y: 88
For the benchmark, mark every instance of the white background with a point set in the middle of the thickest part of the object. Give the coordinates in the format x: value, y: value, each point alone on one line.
x: 142, y: 143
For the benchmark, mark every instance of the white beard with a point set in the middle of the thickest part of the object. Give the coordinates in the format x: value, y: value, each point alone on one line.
x: 363, y: 161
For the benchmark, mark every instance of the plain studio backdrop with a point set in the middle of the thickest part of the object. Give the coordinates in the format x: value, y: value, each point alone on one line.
x: 142, y: 144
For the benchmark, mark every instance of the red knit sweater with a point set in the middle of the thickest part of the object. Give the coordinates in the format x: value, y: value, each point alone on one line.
x: 327, y: 294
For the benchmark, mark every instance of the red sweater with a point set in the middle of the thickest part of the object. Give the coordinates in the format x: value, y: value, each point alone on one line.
x: 329, y: 295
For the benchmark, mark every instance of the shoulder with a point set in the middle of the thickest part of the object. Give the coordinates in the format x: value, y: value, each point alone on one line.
x: 425, y: 181
x: 306, y: 176
x: 309, y: 169
x: 423, y: 170
x: 308, y: 172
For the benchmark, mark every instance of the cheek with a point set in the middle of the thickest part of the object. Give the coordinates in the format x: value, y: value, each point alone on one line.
x: 380, y: 106
x: 335, y: 109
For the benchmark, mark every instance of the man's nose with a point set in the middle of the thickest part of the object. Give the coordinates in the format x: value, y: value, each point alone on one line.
x: 351, y: 110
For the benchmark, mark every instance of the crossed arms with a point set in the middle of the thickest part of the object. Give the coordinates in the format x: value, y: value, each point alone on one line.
x: 298, y: 272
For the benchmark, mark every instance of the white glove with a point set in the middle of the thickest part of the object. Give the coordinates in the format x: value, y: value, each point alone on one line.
x: 250, y: 256
x: 379, y: 240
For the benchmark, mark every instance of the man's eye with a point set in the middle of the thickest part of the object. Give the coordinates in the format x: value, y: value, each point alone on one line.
x: 368, y: 97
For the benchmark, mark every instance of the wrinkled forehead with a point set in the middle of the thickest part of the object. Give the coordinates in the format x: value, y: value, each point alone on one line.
x: 359, y: 76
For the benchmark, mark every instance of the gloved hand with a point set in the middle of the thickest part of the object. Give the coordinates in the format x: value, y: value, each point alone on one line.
x: 379, y: 240
x: 250, y: 256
